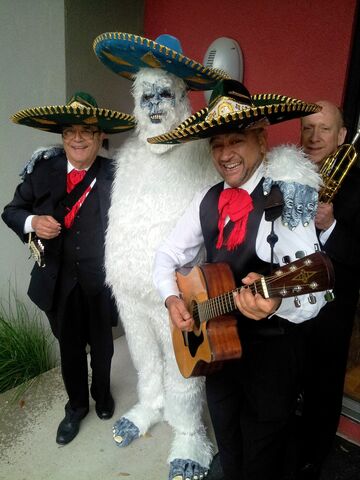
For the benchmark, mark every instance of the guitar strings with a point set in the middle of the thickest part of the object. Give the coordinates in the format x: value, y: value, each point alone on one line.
x: 225, y: 303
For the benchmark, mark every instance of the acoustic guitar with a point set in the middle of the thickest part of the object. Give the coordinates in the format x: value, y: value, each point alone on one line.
x: 207, y: 291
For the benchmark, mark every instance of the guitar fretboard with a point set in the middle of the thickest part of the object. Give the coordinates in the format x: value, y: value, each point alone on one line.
x: 310, y: 274
x: 221, y: 304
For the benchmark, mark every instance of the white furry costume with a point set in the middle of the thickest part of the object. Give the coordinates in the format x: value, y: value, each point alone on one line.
x: 153, y: 186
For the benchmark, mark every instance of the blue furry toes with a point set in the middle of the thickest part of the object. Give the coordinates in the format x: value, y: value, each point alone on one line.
x: 124, y: 432
x: 186, y: 470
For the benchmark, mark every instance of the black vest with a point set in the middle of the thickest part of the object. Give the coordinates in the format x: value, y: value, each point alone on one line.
x: 243, y: 259
x: 83, y: 248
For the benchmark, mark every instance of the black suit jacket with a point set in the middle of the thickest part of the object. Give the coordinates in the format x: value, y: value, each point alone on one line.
x: 343, y: 245
x: 39, y: 194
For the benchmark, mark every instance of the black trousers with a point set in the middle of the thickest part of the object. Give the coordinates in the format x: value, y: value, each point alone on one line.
x: 83, y: 320
x: 327, y: 339
x: 251, y: 403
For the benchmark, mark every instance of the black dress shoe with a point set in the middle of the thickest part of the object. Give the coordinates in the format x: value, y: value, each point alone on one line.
x: 106, y: 409
x: 69, y: 427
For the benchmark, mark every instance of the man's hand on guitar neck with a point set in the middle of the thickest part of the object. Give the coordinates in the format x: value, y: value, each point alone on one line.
x: 179, y: 314
x: 254, y: 306
x: 45, y: 226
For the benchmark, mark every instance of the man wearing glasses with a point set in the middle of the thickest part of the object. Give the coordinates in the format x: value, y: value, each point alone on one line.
x: 62, y: 203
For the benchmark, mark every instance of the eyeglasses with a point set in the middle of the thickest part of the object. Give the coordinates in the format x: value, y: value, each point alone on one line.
x: 86, y: 133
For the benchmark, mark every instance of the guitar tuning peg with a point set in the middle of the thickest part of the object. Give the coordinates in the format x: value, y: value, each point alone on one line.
x: 297, y: 302
x: 329, y: 296
x: 286, y: 259
x: 300, y: 254
x: 312, y: 299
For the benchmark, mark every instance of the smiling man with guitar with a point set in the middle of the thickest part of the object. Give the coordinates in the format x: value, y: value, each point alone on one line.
x: 261, y: 215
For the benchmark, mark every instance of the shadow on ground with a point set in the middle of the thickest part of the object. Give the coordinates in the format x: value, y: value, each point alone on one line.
x: 342, y: 464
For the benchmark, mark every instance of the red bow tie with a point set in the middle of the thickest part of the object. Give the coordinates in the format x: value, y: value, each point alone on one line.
x: 73, y: 178
x: 236, y: 204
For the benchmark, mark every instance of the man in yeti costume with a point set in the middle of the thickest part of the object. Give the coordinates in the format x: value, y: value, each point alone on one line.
x: 153, y: 185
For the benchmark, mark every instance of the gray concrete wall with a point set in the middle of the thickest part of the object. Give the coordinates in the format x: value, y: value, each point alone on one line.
x: 32, y: 60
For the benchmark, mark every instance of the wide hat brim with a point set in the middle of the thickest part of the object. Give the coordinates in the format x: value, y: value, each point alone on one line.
x: 125, y: 54
x: 267, y: 109
x: 54, y: 118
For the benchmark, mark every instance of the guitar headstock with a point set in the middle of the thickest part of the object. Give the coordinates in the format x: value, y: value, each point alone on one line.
x: 37, y: 250
x: 310, y: 274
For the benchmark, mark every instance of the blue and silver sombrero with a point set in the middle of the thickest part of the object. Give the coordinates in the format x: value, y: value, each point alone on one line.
x: 125, y: 54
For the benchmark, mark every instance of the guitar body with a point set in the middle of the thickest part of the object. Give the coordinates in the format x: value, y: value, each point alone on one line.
x: 207, y: 291
x: 203, y: 351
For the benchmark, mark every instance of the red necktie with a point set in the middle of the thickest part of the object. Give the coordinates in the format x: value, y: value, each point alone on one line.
x: 236, y: 204
x: 73, y: 178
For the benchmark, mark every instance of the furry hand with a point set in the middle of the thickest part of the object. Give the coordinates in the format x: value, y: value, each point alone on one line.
x: 300, y: 201
x: 39, y: 154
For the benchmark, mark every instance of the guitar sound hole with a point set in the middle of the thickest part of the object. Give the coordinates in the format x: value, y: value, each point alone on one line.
x: 194, y: 342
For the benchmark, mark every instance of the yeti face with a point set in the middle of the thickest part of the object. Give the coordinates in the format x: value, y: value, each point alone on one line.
x: 157, y: 99
x: 161, y: 103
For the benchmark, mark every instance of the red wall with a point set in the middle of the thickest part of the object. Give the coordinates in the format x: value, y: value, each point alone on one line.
x: 298, y: 48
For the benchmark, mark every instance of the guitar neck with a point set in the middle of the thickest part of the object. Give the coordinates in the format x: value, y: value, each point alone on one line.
x: 310, y: 274
x: 224, y: 303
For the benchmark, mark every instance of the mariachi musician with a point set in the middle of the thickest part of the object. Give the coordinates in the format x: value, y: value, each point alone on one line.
x: 251, y: 400
x: 338, y: 224
x: 64, y: 201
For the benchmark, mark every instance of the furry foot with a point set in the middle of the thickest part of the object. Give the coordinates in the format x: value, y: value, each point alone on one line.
x: 124, y: 432
x: 186, y: 470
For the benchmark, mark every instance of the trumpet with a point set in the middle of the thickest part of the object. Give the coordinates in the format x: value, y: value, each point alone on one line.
x: 335, y: 167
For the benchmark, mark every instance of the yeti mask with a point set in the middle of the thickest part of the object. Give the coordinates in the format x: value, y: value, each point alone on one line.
x: 161, y: 102
x: 156, y: 100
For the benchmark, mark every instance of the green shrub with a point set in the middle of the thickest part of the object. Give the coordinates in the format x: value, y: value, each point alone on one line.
x: 26, y: 346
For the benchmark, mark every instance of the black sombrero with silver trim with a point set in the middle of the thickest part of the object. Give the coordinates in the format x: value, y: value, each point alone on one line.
x: 125, y: 54
x: 81, y: 109
x: 231, y: 108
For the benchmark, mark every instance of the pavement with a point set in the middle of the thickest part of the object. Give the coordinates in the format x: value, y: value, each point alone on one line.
x: 28, y: 450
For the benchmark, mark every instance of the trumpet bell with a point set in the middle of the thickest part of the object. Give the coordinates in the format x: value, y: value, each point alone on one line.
x: 335, y: 168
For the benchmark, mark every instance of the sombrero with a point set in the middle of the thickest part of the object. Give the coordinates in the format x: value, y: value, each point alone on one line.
x: 232, y: 108
x: 80, y: 109
x: 125, y: 54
